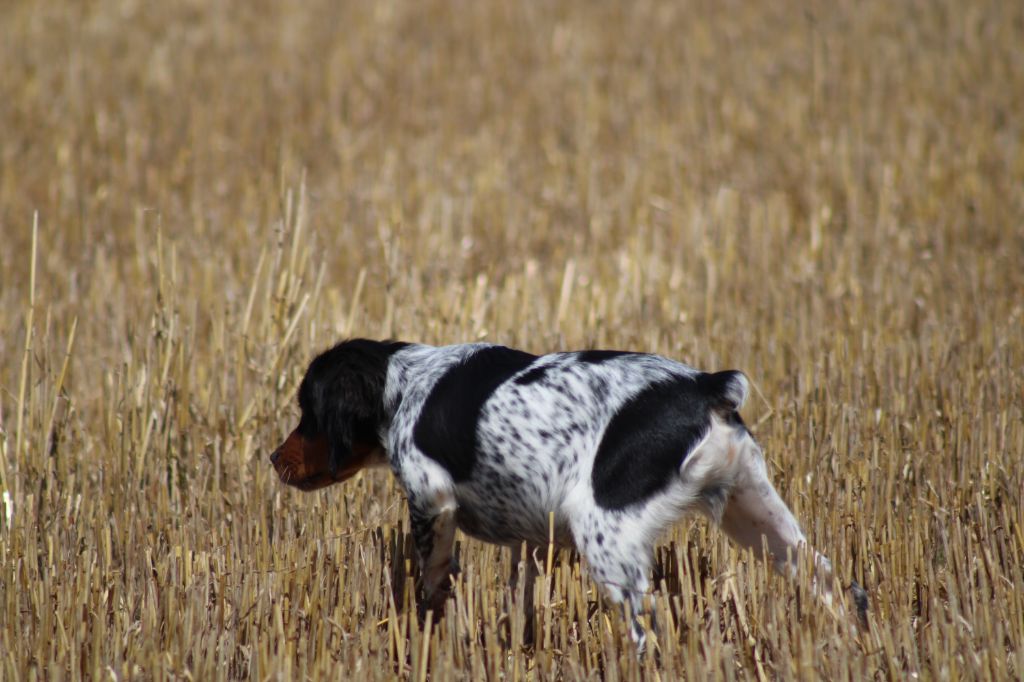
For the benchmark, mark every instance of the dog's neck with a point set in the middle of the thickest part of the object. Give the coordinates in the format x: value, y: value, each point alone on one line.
x: 412, y: 371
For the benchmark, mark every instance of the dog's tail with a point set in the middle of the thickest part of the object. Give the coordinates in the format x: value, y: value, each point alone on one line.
x: 725, y: 391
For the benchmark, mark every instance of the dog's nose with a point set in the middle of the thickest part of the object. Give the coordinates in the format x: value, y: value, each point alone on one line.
x: 275, y: 456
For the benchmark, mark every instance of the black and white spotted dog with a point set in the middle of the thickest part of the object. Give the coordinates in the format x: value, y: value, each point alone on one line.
x: 614, y: 446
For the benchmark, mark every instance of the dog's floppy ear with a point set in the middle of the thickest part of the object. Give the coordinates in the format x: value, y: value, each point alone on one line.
x: 343, y: 405
x: 348, y: 392
x: 339, y: 429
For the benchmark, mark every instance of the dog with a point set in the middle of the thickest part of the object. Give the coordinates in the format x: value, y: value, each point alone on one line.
x: 597, y: 450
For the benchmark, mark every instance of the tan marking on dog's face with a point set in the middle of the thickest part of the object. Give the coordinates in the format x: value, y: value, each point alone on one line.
x: 305, y: 463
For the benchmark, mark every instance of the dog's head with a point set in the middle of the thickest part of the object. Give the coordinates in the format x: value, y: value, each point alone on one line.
x: 342, y: 404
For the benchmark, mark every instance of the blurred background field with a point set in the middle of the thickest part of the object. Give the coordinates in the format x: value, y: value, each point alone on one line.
x: 829, y: 196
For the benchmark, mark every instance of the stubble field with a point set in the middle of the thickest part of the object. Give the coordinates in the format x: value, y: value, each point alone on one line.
x: 195, y: 197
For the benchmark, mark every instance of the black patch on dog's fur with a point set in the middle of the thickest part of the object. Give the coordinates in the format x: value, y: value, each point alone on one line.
x: 342, y: 395
x: 446, y: 428
x: 596, y: 357
x: 532, y: 376
x: 646, y: 442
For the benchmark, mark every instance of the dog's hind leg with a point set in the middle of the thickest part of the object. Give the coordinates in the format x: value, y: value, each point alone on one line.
x: 754, y: 513
x: 620, y: 562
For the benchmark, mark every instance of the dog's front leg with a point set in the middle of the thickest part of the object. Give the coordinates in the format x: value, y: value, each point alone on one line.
x: 432, y: 520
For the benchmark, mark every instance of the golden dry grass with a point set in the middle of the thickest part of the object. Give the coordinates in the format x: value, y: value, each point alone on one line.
x: 829, y: 196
